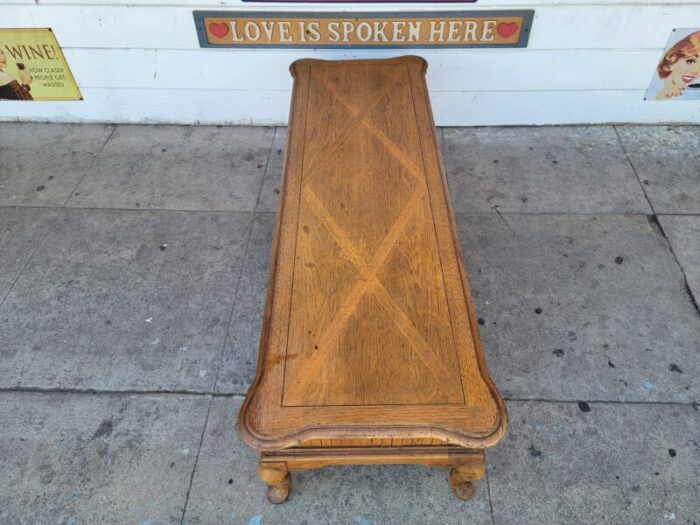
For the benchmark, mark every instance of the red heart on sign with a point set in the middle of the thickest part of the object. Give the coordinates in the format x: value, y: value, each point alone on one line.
x: 218, y: 30
x: 507, y: 29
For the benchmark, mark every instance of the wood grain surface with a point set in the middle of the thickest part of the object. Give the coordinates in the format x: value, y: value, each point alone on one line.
x: 369, y: 335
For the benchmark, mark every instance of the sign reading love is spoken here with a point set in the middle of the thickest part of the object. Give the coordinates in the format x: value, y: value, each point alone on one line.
x: 364, y: 30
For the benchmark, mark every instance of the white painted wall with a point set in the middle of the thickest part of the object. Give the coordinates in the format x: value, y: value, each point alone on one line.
x: 588, y: 61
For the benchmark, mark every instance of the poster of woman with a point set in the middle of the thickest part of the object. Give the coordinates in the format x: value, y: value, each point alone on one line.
x: 677, y: 75
x: 12, y: 88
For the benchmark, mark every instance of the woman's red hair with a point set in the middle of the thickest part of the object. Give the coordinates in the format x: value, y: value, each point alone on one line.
x: 688, y: 47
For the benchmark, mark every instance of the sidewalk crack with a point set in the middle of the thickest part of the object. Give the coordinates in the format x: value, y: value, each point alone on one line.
x: 654, y: 219
x: 196, y: 461
x: 233, y: 302
x: 24, y: 266
x: 243, y: 262
x: 498, y: 212
x: 488, y: 489
x: 267, y: 164
x: 89, y: 168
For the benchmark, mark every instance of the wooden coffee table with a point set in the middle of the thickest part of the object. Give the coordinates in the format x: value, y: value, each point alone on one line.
x: 370, y: 351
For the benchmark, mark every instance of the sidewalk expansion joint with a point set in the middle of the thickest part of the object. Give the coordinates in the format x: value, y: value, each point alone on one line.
x: 184, y: 392
x: 94, y: 391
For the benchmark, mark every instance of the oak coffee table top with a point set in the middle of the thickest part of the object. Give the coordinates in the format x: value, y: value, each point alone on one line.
x: 369, y: 334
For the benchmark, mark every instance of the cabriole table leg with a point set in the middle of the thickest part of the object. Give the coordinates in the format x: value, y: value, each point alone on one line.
x: 279, y: 479
x: 463, y: 474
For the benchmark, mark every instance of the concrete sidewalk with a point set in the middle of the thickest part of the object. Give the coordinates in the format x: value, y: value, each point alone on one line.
x: 133, y: 265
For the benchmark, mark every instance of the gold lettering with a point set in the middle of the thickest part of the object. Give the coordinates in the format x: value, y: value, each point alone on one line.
x: 284, y: 31
x: 269, y: 28
x: 251, y: 31
x: 364, y: 31
x: 313, y: 31
x: 379, y: 34
x: 234, y: 32
x: 347, y: 29
x: 487, y: 30
x: 470, y: 31
x: 343, y: 30
x: 333, y: 30
x: 437, y: 34
x: 398, y: 31
x: 453, y: 30
x: 414, y: 31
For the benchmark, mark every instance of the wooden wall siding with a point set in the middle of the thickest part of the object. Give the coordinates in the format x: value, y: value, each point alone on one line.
x: 238, y: 3
x: 500, y: 70
x: 271, y: 107
x: 624, y: 25
x: 588, y: 61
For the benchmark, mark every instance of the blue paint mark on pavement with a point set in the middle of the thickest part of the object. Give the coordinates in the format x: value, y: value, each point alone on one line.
x: 362, y: 521
x: 255, y: 520
x: 648, y: 385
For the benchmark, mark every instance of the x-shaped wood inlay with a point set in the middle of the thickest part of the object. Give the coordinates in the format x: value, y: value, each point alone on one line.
x: 367, y: 281
x: 358, y: 117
